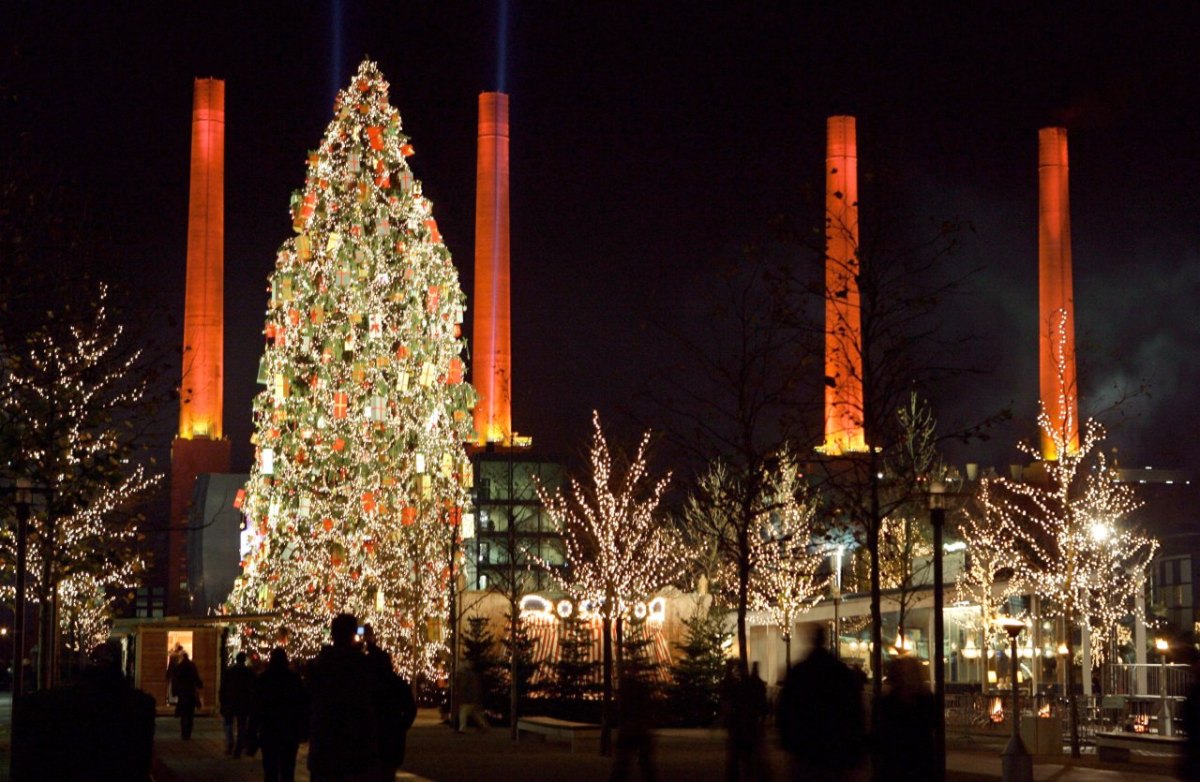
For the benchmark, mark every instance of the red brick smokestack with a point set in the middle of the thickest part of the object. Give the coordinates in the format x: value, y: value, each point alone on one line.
x: 843, y: 330
x: 200, y: 446
x: 491, y: 353
x: 1056, y: 297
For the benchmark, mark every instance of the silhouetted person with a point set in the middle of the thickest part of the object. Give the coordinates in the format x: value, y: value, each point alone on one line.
x: 743, y: 706
x: 1189, y: 716
x: 902, y: 726
x: 279, y: 717
x: 99, y: 728
x: 237, y: 687
x: 759, y: 688
x: 634, y: 736
x: 468, y: 694
x: 186, y: 685
x: 172, y: 663
x: 395, y: 709
x: 342, y: 736
x: 820, y: 715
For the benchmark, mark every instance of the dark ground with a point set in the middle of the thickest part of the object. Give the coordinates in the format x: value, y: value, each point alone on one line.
x: 437, y: 754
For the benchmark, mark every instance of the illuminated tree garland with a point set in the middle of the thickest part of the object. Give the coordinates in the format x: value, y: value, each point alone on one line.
x: 990, y: 550
x: 359, y: 462
x: 784, y: 580
x: 905, y: 535
x: 616, y: 544
x: 71, y: 395
x: 1076, y: 551
x: 615, y: 541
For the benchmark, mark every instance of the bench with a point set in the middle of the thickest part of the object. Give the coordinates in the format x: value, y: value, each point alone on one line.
x: 1117, y: 746
x: 582, y: 736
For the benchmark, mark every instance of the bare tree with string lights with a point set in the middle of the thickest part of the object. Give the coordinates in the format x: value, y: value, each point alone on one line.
x: 985, y: 580
x: 785, y: 579
x: 75, y: 392
x: 1070, y: 524
x: 617, y: 544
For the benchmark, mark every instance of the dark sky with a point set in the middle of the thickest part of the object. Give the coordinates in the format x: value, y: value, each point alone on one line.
x: 649, y: 142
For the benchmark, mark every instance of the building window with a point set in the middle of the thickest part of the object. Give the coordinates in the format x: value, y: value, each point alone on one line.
x: 1173, y: 590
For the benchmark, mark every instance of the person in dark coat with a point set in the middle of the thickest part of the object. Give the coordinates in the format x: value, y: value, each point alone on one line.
x: 467, y: 691
x: 743, y: 707
x: 820, y: 715
x: 342, y: 734
x: 902, y: 726
x: 172, y: 664
x: 1188, y: 767
x: 186, y: 686
x: 278, y: 717
x: 395, y: 709
x: 635, y: 738
x: 237, y: 687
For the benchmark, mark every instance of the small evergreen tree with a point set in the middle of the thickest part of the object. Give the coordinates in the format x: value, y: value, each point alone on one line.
x: 637, y: 654
x: 479, y: 645
x: 479, y: 650
x: 522, y: 646
x: 695, y: 693
x: 576, y: 667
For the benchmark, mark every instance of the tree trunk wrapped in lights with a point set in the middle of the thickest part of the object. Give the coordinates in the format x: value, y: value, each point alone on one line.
x: 617, y: 545
x: 360, y: 465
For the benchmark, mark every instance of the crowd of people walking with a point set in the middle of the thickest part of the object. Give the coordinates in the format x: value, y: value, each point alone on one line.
x: 821, y: 723
x: 351, y: 707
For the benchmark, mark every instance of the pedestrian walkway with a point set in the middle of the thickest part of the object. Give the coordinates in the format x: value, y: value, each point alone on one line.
x: 202, y: 758
x: 437, y: 753
x: 980, y: 765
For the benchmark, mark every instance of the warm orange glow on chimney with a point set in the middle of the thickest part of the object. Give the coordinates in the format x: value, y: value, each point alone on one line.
x: 201, y: 446
x: 200, y: 413
x: 491, y: 370
x: 1056, y: 297
x: 843, y: 331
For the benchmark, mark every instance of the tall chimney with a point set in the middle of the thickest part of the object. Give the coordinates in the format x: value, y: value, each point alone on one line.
x: 843, y: 331
x: 203, y: 313
x: 1056, y: 297
x: 491, y: 370
x: 200, y: 446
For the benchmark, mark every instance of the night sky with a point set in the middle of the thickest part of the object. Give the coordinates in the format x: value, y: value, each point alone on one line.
x: 650, y: 142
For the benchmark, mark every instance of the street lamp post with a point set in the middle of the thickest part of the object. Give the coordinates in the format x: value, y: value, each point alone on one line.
x: 1166, y: 725
x: 1016, y: 762
x: 937, y: 518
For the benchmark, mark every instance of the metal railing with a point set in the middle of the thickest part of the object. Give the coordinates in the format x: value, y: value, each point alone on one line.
x: 975, y: 714
x: 1146, y: 679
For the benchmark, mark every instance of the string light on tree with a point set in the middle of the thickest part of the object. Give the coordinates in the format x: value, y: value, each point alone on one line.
x: 990, y: 551
x: 72, y: 392
x: 359, y: 432
x: 616, y: 544
x: 784, y: 561
x: 1078, y: 551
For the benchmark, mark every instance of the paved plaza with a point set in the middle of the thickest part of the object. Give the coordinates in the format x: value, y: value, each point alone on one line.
x: 437, y: 754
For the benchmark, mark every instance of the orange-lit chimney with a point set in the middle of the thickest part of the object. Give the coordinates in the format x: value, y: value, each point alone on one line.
x: 843, y: 332
x: 1056, y: 297
x: 491, y: 370
x: 203, y: 313
x: 200, y: 446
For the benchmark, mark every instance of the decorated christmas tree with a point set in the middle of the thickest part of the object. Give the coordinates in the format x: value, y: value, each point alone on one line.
x: 360, y: 472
